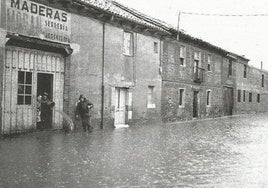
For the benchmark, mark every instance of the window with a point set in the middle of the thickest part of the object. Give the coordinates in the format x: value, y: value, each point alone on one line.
x: 128, y: 43
x: 245, y: 71
x: 239, y: 96
x: 208, y: 97
x: 181, y: 97
x: 250, y: 97
x: 244, y: 95
x: 262, y: 80
x: 24, y: 88
x: 258, y: 98
x: 197, y: 56
x: 230, y: 68
x: 156, y: 47
x: 209, y: 62
x: 150, y: 97
x: 182, y: 55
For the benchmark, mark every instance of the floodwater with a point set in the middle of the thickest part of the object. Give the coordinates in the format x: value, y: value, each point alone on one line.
x: 229, y: 152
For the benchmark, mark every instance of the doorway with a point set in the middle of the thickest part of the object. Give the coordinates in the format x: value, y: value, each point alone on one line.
x: 228, y: 102
x: 45, y: 84
x: 120, y: 106
x: 195, y: 104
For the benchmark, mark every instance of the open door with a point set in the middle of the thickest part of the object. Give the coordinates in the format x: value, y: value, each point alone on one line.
x: 45, y: 84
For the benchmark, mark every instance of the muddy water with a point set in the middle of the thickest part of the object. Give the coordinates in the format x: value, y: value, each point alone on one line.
x: 231, y: 152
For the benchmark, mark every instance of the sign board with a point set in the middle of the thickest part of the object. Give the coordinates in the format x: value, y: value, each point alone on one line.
x: 33, y: 19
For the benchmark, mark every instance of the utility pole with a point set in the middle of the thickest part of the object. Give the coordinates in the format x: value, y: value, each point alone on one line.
x: 178, y: 27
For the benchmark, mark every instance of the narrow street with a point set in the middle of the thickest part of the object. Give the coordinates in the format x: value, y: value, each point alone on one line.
x: 227, y: 152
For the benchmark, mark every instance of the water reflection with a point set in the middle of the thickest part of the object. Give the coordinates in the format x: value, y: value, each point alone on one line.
x: 229, y: 152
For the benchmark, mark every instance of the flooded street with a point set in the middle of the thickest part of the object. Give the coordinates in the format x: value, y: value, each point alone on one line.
x: 228, y: 152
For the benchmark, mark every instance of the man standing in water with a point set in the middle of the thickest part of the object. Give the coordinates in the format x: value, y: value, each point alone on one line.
x: 83, y: 110
x: 46, y: 111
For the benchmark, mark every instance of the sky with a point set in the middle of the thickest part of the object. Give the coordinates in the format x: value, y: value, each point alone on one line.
x: 241, y: 35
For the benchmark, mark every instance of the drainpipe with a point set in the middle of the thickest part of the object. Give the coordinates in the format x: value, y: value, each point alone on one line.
x: 102, y: 75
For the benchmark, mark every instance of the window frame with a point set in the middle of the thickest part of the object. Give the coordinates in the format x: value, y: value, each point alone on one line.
x: 209, y: 63
x: 262, y: 80
x: 131, y: 45
x: 24, y: 85
x: 230, y: 68
x: 183, y: 56
x: 245, y: 71
x: 244, y: 95
x: 156, y: 46
x: 250, y: 97
x: 208, y: 97
x: 258, y: 98
x: 151, y: 102
x: 181, y: 98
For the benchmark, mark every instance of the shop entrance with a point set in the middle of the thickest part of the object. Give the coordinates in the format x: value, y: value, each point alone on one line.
x: 45, y: 84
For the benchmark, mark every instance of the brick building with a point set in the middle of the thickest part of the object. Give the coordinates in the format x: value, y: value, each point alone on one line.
x: 101, y: 49
x: 191, y: 79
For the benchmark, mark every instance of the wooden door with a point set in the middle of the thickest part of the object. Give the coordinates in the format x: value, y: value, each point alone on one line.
x: 228, y: 100
x: 120, y: 106
x: 195, y: 104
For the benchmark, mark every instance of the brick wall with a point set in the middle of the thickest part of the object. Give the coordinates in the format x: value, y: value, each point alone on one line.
x: 251, y: 84
x: 176, y: 77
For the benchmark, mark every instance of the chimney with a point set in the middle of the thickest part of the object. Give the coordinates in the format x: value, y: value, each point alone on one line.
x: 261, y: 65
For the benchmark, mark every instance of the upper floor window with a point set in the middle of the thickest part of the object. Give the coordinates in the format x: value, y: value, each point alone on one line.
x: 245, y: 71
x: 156, y: 47
x: 128, y: 43
x: 24, y: 88
x: 244, y: 95
x: 181, y: 97
x: 258, y: 98
x: 182, y: 55
x: 197, y: 56
x: 262, y: 80
x: 230, y: 68
x: 209, y: 62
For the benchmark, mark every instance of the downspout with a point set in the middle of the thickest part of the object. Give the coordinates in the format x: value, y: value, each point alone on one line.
x: 102, y: 76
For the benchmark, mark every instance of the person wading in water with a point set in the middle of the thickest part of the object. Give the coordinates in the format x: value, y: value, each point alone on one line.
x: 83, y: 110
x: 46, y: 111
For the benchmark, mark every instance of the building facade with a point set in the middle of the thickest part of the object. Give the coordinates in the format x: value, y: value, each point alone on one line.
x: 129, y: 65
x: 102, y: 49
x: 191, y: 79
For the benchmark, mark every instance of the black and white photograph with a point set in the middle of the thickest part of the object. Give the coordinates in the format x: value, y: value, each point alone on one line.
x: 133, y: 94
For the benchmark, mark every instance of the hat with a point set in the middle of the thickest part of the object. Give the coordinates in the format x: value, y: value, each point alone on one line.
x: 81, y: 96
x: 45, y: 93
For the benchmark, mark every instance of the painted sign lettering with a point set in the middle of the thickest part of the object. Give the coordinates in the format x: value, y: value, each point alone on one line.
x: 31, y: 18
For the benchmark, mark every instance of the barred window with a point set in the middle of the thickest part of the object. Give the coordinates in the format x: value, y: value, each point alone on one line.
x: 24, y: 88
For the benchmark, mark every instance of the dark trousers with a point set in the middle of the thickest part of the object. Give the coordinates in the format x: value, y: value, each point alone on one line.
x: 86, y: 123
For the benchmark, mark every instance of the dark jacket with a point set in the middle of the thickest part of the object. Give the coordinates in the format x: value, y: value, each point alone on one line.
x: 84, y: 108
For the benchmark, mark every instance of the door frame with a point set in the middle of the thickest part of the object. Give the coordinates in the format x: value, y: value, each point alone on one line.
x: 195, y: 103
